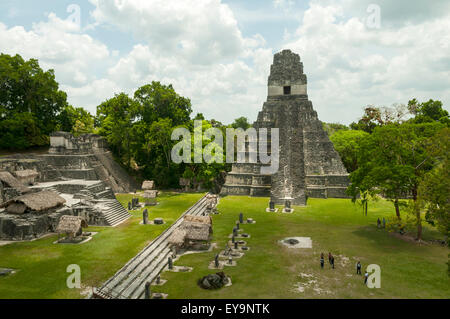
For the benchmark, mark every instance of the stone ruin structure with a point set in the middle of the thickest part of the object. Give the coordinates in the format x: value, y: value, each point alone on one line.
x: 149, y: 189
x: 72, y: 228
x: 309, y: 166
x: 193, y: 233
x: 79, y: 170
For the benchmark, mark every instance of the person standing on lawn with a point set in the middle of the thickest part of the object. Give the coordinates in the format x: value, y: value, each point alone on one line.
x: 358, y: 268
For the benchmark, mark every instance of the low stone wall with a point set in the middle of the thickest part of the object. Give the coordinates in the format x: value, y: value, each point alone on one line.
x: 337, y: 192
x: 317, y: 192
x: 327, y: 192
x: 262, y: 191
x: 261, y: 180
x: 236, y: 190
x: 239, y: 179
x: 86, y: 174
x: 338, y: 180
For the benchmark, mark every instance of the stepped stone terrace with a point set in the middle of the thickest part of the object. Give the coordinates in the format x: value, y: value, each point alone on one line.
x: 309, y: 166
x: 78, y: 171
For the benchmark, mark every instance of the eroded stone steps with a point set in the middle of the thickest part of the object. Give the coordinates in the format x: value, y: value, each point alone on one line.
x: 157, y: 265
x: 147, y: 265
x: 115, y: 214
x: 144, y: 266
x: 139, y: 292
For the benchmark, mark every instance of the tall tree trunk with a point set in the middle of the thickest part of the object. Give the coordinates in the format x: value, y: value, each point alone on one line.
x: 418, y: 217
x: 128, y: 149
x: 366, y: 206
x: 419, y: 224
x: 397, y: 209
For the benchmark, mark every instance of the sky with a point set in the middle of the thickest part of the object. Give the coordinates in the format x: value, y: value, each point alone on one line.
x: 218, y: 53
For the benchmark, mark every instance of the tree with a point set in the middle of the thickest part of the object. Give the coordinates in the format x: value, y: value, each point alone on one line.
x: 370, y: 120
x: 379, y: 116
x: 20, y: 131
x: 156, y: 101
x: 393, y: 160
x: 204, y: 173
x: 241, y: 122
x: 26, y: 88
x: 332, y: 128
x: 159, y: 136
x: 426, y: 112
x: 76, y: 120
x: 434, y: 189
x: 346, y: 143
x: 115, y: 118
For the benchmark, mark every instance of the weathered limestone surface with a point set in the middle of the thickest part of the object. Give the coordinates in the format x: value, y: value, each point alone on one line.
x: 309, y: 166
x: 81, y: 170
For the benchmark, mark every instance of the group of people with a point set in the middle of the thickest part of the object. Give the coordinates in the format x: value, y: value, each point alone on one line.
x: 331, y: 261
x: 381, y: 224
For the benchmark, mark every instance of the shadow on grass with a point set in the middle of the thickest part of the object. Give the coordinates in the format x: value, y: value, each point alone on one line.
x: 383, y: 241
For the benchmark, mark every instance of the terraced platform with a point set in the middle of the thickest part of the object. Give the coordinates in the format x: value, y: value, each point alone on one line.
x: 129, y: 281
x: 101, y: 198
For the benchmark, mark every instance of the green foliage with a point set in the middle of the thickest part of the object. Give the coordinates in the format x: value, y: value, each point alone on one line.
x: 241, y: 122
x: 332, y: 128
x: 393, y: 160
x: 20, y: 131
x: 139, y: 132
x: 426, y: 112
x: 114, y: 118
x: 78, y: 121
x: 26, y: 89
x: 434, y: 189
x: 370, y: 120
x: 379, y: 116
x: 393, y: 224
x: 156, y: 101
x: 205, y: 174
x: 346, y: 143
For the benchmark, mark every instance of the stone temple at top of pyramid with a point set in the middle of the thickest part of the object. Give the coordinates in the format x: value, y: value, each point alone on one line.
x: 309, y: 166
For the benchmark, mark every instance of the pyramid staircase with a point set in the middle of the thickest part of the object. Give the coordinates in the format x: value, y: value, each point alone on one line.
x: 115, y: 213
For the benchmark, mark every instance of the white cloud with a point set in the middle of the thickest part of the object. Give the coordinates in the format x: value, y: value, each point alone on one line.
x: 198, y: 47
x: 57, y: 44
x: 223, y: 91
x: 194, y: 45
x: 350, y: 66
x: 202, y: 32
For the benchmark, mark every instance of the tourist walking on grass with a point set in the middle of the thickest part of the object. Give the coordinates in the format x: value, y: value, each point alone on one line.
x: 384, y: 223
x: 358, y: 268
x: 378, y: 223
x: 322, y: 260
x: 329, y: 257
x: 332, y: 261
x: 366, y: 276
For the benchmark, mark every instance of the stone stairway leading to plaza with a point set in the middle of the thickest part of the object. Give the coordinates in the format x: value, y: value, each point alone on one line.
x: 115, y: 213
x: 129, y: 281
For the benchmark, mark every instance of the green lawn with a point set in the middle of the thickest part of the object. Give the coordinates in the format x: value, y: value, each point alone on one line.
x: 267, y: 270
x: 42, y: 265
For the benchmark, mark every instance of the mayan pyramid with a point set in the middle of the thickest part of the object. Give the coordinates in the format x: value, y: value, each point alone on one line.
x: 309, y: 166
